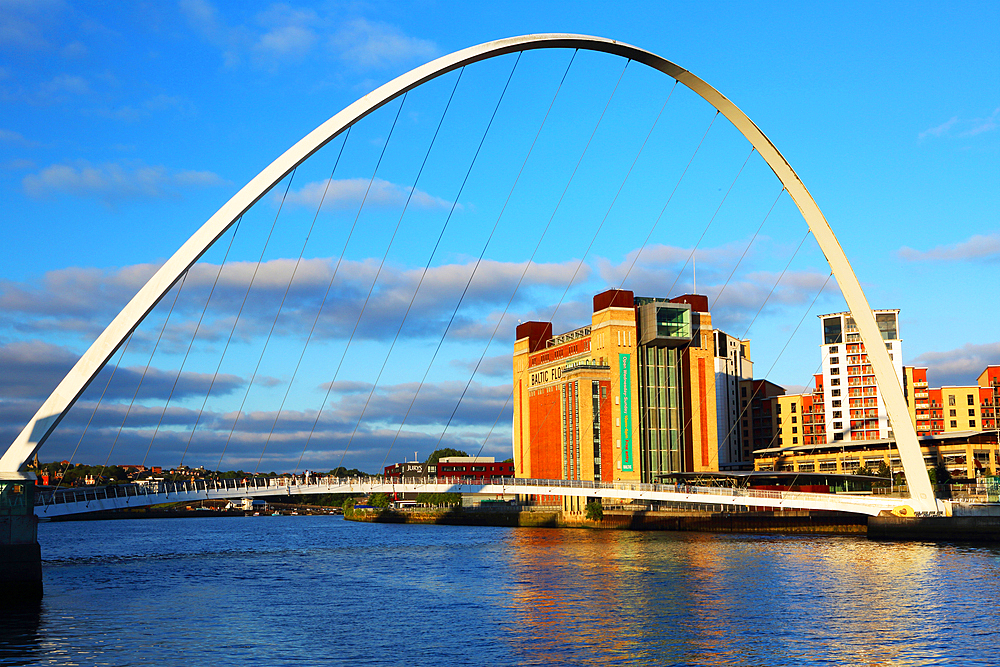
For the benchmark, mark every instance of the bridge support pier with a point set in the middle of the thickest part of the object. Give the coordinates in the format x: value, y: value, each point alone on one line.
x: 20, y: 554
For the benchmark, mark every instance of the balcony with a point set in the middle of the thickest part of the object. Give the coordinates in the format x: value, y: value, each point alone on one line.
x: 920, y: 394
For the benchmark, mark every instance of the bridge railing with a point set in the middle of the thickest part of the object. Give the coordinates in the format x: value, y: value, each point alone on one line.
x: 325, y: 484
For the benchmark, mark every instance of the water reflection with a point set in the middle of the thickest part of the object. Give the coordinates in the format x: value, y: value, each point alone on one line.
x: 19, y: 638
x: 671, y: 598
x: 269, y: 591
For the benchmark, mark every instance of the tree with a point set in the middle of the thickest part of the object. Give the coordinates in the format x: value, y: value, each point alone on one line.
x: 344, y: 472
x: 379, y: 500
x: 438, y: 454
x: 595, y: 511
x: 439, y: 498
x: 349, y: 507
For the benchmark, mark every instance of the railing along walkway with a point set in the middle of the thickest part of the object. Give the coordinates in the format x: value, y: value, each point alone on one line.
x: 79, y: 500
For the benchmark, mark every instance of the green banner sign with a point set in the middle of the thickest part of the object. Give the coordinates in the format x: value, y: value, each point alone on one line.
x: 625, y: 410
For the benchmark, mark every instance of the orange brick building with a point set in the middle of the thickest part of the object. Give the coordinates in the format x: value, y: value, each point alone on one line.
x: 628, y: 397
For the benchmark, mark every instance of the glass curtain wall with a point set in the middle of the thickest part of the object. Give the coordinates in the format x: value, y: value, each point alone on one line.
x: 662, y: 423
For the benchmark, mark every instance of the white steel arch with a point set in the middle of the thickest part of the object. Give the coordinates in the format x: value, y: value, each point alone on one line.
x: 72, y: 386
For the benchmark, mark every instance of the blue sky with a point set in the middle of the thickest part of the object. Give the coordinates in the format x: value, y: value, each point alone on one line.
x: 124, y: 129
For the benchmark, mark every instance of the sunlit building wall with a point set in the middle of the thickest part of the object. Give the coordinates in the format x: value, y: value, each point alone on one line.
x: 732, y: 367
x: 852, y: 401
x: 628, y: 397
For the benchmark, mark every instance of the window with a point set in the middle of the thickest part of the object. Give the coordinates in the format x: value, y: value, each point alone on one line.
x: 834, y: 360
x: 836, y: 403
x: 832, y: 330
x: 971, y: 401
x: 836, y: 414
x: 835, y: 382
x: 834, y: 371
x: 835, y: 392
x: 972, y: 412
x: 954, y: 424
x: 794, y: 405
x: 833, y: 349
x: 795, y: 429
x: 838, y: 425
x: 887, y: 326
x: 743, y: 392
x: 779, y: 409
x: 795, y: 419
x: 972, y: 423
x: 951, y: 413
x: 838, y: 436
x: 795, y: 441
x: 951, y: 399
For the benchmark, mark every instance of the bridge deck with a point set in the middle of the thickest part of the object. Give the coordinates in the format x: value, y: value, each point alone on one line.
x: 77, y: 501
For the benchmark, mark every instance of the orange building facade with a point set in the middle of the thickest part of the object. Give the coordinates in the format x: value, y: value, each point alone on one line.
x: 628, y: 397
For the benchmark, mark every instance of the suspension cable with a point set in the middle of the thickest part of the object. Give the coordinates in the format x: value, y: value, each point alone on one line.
x: 253, y: 278
x: 482, y: 254
x: 711, y: 220
x: 454, y: 204
x: 145, y: 370
x: 656, y: 222
x: 600, y: 226
x: 322, y: 304
x: 329, y: 388
x: 236, y: 321
x: 531, y: 259
x: 406, y: 206
x: 97, y: 406
x: 277, y: 314
x: 194, y: 335
x: 747, y: 249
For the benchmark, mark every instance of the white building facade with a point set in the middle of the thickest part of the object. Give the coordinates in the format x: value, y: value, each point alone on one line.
x: 732, y: 365
x: 854, y: 407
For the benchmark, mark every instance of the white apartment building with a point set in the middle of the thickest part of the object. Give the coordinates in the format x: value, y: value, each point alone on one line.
x: 732, y: 365
x: 854, y: 407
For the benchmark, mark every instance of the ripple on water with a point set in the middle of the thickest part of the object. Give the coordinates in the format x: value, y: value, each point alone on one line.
x: 309, y: 590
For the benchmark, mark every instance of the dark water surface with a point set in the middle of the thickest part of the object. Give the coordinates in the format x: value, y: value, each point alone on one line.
x: 318, y: 590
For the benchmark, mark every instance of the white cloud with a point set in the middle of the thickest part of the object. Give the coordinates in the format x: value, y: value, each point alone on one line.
x: 958, y: 367
x: 374, y: 45
x: 114, y: 182
x: 283, y: 33
x: 16, y: 138
x: 981, y: 247
x: 350, y: 191
x: 963, y: 127
x: 980, y: 125
x: 64, y: 84
x: 81, y: 300
x: 17, y: 164
x: 938, y: 130
x: 74, y: 50
x: 289, y: 33
x: 23, y: 24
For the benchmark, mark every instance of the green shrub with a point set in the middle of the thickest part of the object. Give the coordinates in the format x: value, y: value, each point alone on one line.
x: 595, y: 511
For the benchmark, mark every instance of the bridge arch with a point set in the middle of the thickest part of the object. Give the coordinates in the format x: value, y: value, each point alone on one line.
x: 87, y: 367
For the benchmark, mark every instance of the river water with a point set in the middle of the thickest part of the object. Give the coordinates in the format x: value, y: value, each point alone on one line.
x: 320, y: 590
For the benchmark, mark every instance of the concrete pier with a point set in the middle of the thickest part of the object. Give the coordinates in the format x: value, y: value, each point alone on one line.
x: 936, y: 528
x: 20, y: 555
